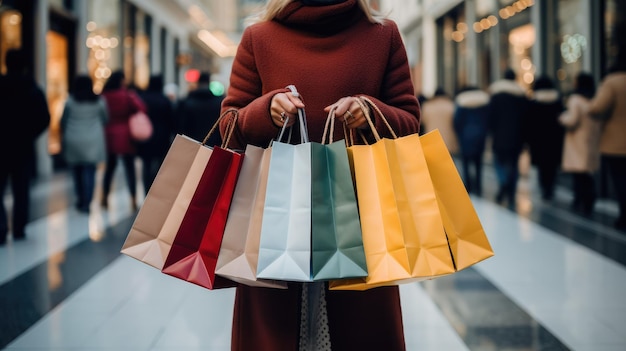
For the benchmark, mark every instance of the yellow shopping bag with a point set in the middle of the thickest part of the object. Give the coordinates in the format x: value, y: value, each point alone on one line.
x: 402, y: 226
x: 467, y: 238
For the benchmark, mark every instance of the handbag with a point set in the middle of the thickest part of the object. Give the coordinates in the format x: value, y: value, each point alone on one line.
x: 140, y: 126
x: 467, y: 238
x: 194, y: 251
x: 285, y: 243
x: 336, y: 239
x: 403, y: 232
x: 239, y: 253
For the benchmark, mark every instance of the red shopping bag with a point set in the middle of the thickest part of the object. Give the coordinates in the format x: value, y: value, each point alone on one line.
x: 194, y: 252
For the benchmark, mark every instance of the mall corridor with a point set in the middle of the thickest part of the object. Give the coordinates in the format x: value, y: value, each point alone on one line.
x: 556, y: 282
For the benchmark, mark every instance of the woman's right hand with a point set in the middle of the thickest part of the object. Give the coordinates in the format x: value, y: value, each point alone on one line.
x: 283, y: 106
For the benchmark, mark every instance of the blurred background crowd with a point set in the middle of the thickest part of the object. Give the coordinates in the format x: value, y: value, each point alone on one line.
x: 513, y: 85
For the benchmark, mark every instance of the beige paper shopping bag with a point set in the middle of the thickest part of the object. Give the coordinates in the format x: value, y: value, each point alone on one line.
x: 239, y: 253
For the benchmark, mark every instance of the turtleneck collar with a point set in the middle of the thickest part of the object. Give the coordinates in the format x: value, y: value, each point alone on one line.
x: 323, y: 20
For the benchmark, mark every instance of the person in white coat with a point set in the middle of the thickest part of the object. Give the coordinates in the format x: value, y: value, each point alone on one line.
x: 438, y: 113
x: 581, y: 152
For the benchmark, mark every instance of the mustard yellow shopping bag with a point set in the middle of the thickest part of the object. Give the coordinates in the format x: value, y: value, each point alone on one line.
x: 403, y: 231
x: 467, y: 238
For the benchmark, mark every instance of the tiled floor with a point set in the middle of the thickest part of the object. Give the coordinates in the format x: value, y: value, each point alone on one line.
x: 557, y: 282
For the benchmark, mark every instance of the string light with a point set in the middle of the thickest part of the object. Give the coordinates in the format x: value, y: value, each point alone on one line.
x: 101, y: 53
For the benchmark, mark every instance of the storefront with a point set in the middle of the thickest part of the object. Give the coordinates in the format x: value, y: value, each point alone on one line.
x: 60, y: 66
x: 613, y: 24
x: 452, y: 49
x: 10, y: 32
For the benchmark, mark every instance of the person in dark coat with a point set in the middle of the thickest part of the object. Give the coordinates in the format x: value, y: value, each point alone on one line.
x: 82, y: 138
x: 544, y: 133
x: 122, y: 103
x: 508, y: 107
x: 161, y: 112
x: 470, y: 125
x: 24, y: 116
x: 331, y: 51
x: 197, y: 113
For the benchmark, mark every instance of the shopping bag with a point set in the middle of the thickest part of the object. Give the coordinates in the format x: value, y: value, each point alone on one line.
x: 403, y: 233
x: 239, y: 253
x: 285, y: 244
x: 153, y: 231
x: 336, y: 239
x: 468, y: 241
x: 194, y: 251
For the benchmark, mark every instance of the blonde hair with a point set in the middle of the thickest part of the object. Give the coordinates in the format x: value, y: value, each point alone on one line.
x: 274, y: 7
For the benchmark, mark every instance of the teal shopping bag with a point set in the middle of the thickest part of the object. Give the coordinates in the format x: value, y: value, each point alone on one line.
x: 336, y: 240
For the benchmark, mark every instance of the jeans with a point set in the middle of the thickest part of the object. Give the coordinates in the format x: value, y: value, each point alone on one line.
x: 508, y: 173
x: 473, y: 180
x: 129, y: 170
x: 84, y: 184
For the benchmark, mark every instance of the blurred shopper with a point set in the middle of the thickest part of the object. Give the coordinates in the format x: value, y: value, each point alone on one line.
x: 319, y: 46
x: 438, y: 113
x: 23, y: 117
x: 161, y: 112
x: 470, y: 125
x: 508, y: 108
x: 82, y: 138
x: 609, y: 105
x: 581, y: 154
x: 171, y: 91
x: 544, y: 133
x: 121, y: 103
x: 197, y: 113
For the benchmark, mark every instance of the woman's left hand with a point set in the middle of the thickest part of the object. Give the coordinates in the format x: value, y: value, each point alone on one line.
x: 349, y: 111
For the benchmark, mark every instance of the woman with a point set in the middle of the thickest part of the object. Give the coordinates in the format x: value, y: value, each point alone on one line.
x: 545, y: 133
x: 581, y: 155
x: 82, y: 136
x: 121, y: 103
x: 331, y: 51
x: 609, y: 106
x: 470, y: 124
x: 438, y: 113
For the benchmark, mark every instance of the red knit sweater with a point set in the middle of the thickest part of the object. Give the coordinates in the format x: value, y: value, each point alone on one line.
x: 327, y: 52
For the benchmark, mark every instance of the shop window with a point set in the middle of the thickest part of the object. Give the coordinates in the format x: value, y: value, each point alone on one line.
x: 57, y: 85
x: 62, y: 4
x: 10, y: 34
x: 572, y: 43
x: 452, y: 49
x: 142, y: 50
x: 103, y: 41
x: 521, y: 41
x: 614, y: 27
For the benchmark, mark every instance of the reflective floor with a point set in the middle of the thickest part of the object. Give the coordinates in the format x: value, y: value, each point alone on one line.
x: 557, y: 282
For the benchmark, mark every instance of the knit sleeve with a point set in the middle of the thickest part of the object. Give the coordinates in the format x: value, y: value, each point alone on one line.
x: 570, y: 118
x: 254, y: 125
